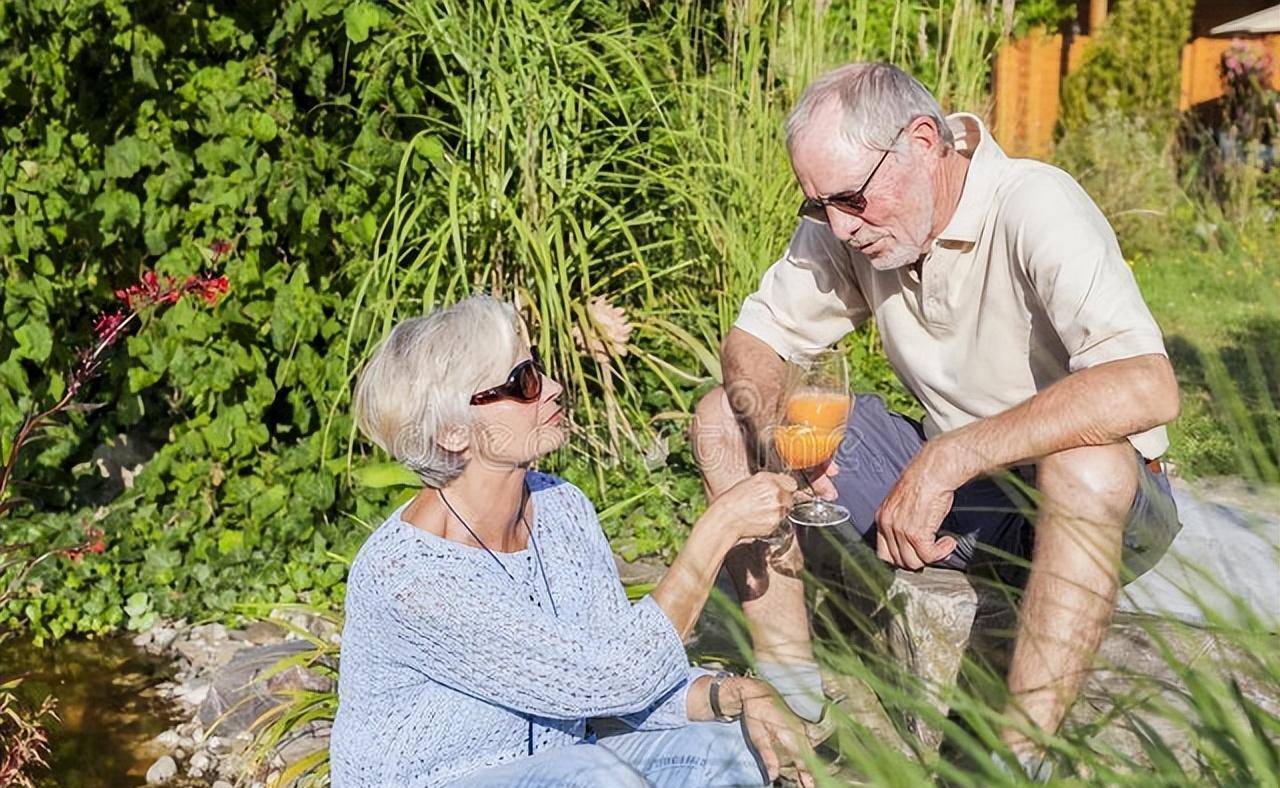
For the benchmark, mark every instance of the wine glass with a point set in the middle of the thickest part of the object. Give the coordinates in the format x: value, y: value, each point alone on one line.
x: 814, y: 409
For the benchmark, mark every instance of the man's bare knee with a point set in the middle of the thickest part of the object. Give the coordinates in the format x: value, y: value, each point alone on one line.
x: 1090, y: 481
x: 719, y: 445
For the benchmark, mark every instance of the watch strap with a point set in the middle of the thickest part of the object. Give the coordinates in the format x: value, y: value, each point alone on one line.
x: 713, y: 697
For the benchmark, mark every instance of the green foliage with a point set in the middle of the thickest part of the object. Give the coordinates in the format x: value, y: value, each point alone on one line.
x: 1132, y: 67
x: 368, y: 161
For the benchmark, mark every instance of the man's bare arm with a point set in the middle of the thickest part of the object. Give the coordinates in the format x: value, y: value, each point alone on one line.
x: 1098, y: 406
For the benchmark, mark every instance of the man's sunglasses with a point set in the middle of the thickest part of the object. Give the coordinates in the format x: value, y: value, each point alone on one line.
x: 524, y: 384
x: 850, y: 202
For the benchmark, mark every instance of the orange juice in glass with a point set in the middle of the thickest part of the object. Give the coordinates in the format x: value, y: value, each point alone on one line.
x: 814, y: 410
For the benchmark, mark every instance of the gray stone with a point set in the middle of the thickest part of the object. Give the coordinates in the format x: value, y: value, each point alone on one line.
x: 200, y: 761
x: 1224, y: 554
x: 163, y: 637
x: 222, y: 784
x: 236, y: 698
x: 162, y: 771
x: 168, y: 739
x: 262, y: 633
x: 932, y: 613
x: 640, y: 571
x: 192, y: 694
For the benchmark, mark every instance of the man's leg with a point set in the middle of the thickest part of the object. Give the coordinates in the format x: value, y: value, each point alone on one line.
x: 772, y: 602
x: 1067, y: 605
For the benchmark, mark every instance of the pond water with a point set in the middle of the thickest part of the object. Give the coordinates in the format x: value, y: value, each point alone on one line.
x: 107, y: 705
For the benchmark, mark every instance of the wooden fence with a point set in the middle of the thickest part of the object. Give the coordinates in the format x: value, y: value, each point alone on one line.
x: 1028, y: 82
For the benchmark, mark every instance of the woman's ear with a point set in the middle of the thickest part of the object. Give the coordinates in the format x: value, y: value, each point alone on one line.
x: 454, y: 439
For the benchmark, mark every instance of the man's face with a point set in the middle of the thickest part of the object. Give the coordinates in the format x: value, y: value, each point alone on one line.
x: 893, y: 230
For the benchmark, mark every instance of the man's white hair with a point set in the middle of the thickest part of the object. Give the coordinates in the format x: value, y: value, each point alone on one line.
x: 420, y: 379
x: 876, y: 99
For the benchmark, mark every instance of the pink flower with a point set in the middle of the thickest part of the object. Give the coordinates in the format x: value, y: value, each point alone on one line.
x: 106, y: 328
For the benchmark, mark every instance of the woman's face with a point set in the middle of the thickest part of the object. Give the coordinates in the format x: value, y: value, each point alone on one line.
x: 507, y: 432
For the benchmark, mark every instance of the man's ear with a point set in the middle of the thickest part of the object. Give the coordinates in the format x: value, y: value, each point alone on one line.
x: 923, y: 131
x: 455, y: 439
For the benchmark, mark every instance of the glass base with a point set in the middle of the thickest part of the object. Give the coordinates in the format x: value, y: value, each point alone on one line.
x: 818, y: 514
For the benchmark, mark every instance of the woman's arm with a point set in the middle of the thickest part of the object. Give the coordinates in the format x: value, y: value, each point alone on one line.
x: 754, y: 507
x: 466, y: 630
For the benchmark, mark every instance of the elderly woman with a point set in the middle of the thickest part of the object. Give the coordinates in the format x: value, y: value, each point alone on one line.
x: 486, y: 629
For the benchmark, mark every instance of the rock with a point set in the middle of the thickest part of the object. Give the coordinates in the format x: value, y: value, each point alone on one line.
x: 262, y: 633
x: 314, y: 737
x: 200, y: 761
x: 932, y: 614
x: 1223, y: 553
x: 235, y: 699
x: 640, y: 571
x: 163, y: 637
x: 297, y: 677
x: 192, y: 694
x: 143, y: 639
x: 162, y: 771
x: 222, y: 784
x: 168, y: 739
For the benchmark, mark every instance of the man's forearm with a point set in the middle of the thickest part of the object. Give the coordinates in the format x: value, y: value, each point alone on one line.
x: 1097, y: 406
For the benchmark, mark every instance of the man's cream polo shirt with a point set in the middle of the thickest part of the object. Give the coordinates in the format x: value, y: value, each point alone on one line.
x: 1024, y: 286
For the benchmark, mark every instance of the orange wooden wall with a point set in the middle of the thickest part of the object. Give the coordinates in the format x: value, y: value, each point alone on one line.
x: 1028, y: 83
x: 1200, y: 79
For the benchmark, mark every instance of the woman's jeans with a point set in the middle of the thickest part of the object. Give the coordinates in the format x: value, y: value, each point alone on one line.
x: 711, y: 754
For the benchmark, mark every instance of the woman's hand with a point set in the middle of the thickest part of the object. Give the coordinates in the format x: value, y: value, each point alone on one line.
x: 777, y: 734
x: 755, y: 506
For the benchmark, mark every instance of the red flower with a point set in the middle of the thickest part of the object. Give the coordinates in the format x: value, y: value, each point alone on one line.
x: 220, y: 247
x: 106, y: 328
x: 211, y: 287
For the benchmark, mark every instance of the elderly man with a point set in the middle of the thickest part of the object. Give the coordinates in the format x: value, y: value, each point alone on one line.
x: 1005, y: 306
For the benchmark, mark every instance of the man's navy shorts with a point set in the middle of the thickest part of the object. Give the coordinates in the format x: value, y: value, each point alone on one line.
x: 989, y: 516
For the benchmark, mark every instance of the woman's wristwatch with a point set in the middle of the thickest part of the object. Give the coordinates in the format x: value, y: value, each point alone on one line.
x: 713, y: 697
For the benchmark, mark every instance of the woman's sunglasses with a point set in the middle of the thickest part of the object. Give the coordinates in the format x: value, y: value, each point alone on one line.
x: 850, y: 202
x: 524, y: 384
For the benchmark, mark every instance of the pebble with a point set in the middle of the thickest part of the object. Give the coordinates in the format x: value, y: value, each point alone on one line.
x: 169, y: 739
x: 200, y: 761
x: 222, y: 784
x: 162, y: 771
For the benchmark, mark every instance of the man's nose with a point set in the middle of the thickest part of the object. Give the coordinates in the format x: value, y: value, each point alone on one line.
x: 843, y: 225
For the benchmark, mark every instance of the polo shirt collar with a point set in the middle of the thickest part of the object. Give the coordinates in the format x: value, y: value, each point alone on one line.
x: 986, y: 159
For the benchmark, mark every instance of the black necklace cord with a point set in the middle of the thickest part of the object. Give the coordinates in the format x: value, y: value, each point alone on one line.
x: 542, y: 569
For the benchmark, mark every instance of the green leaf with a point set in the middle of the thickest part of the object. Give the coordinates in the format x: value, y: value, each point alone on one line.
x: 264, y: 127
x: 142, y: 71
x: 117, y: 207
x: 137, y: 604
x: 230, y: 540
x: 35, y: 341
x: 360, y: 19
x: 124, y: 158
x: 385, y: 474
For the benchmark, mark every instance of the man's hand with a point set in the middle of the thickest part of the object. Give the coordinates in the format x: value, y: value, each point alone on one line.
x: 820, y: 479
x: 908, y: 519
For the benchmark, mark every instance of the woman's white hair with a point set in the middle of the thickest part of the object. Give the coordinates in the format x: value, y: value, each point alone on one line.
x: 420, y: 379
x: 877, y: 100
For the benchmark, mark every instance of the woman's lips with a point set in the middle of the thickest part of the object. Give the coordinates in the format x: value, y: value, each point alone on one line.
x: 555, y: 417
